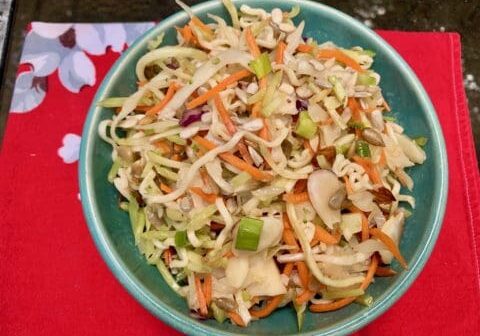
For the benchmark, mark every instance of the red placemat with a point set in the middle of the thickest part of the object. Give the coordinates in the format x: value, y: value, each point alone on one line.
x: 53, y: 281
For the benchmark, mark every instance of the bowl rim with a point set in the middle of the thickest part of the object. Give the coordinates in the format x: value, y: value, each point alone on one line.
x: 162, y: 310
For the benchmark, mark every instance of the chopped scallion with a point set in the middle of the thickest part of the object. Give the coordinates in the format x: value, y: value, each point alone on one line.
x: 261, y: 66
x: 248, y: 234
x: 306, y: 128
x: 363, y: 150
x: 387, y: 118
x: 364, y: 300
x: 421, y: 141
x: 341, y: 293
x: 181, y: 238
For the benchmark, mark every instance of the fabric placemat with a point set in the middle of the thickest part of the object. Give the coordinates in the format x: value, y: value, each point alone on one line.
x: 54, y: 282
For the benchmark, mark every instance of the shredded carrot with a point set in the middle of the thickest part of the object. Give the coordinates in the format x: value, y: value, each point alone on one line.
x: 167, y: 256
x: 300, y: 186
x: 163, y: 147
x: 341, y: 57
x: 252, y: 44
x: 370, y: 273
x: 326, y: 237
x: 365, y: 234
x: 287, y: 270
x: 235, y: 161
x: 390, y: 244
x: 202, y: 26
x: 355, y: 108
x: 348, y: 185
x: 236, y: 76
x: 264, y: 133
x: 242, y: 148
x: 229, y: 254
x: 327, y: 121
x: 383, y: 159
x: 304, y: 297
x: 141, y: 83
x: 324, y: 307
x: 280, y: 51
x: 303, y: 273
x: 207, y: 197
x: 236, y: 319
x: 200, y: 297
x: 296, y: 198
x: 370, y: 169
x: 176, y: 157
x: 289, y: 238
x: 385, y: 272
x: 165, y: 188
x: 271, y: 305
x: 286, y: 222
x: 304, y: 48
x: 157, y: 108
x: 187, y: 34
x: 207, y: 289
x: 307, y: 145
x: 224, y: 115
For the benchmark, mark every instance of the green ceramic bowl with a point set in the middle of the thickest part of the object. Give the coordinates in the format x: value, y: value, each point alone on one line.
x: 110, y: 227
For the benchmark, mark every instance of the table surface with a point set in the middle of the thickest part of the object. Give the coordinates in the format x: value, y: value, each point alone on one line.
x: 430, y: 15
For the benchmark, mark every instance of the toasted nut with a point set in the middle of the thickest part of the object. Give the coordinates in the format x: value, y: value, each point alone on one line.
x: 373, y: 137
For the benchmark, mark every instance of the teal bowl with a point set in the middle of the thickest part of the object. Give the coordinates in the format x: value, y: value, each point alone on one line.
x: 110, y: 227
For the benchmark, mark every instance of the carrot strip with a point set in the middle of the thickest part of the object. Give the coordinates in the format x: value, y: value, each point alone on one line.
x: 157, y: 108
x: 326, y: 237
x: 187, y: 34
x: 390, y: 244
x: 385, y: 272
x: 370, y: 273
x: 235, y: 161
x: 236, y: 319
x: 332, y: 53
x: 307, y: 145
x: 200, y: 297
x: 165, y: 188
x: 236, y: 76
x: 207, y: 289
x: 348, y: 185
x: 242, y: 148
x: 271, y: 305
x: 383, y: 159
x: 341, y: 57
x: 304, y: 297
x: 251, y: 43
x: 280, y: 51
x: 229, y: 254
x: 163, y: 147
x: 304, y: 48
x: 289, y: 238
x: 324, y: 307
x: 207, y: 197
x: 287, y: 270
x: 370, y: 169
x: 167, y: 256
x: 303, y: 273
x: 202, y: 26
x: 222, y: 111
x: 286, y: 222
x: 300, y: 186
x: 355, y: 108
x: 296, y: 198
x: 264, y: 132
x: 365, y: 234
